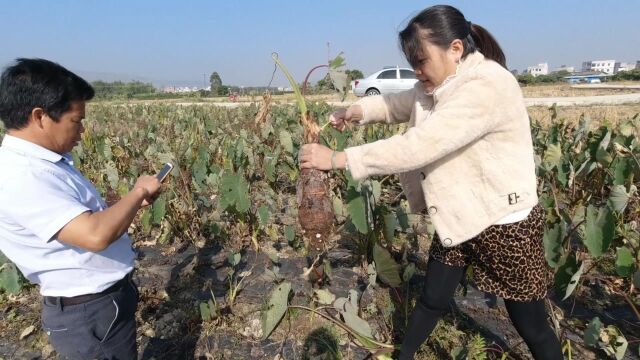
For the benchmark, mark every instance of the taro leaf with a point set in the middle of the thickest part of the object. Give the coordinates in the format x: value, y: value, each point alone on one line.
x: 602, y: 155
x: 619, y: 197
x: 624, y: 261
x: 263, y: 215
x: 408, y: 273
x: 592, y: 332
x: 553, y: 156
x: 199, y: 171
x: 274, y: 310
x: 387, y: 268
x: 600, y: 229
x: 158, y: 210
x: 338, y: 207
x: 376, y: 190
x: 146, y: 221
x: 390, y: 223
x: 270, y: 167
x: 205, y: 311
x: 9, y: 278
x: 234, y: 258
x: 349, y: 313
x: 371, y: 273
x: 289, y: 233
x: 337, y: 62
x: 357, y: 210
x: 553, y: 243
x: 286, y: 141
x: 324, y: 296
x: 234, y: 192
x: 567, y: 276
x: 622, y: 170
x: 617, y: 347
x: 112, y: 175
x: 340, y: 80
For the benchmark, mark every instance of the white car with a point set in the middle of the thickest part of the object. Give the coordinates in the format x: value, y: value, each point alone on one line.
x: 385, y: 81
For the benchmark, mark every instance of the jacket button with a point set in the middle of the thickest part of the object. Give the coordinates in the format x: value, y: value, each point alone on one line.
x: 432, y: 210
x: 423, y: 175
x: 447, y: 241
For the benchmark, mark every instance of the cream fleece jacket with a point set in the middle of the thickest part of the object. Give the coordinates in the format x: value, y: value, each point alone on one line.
x: 467, y: 156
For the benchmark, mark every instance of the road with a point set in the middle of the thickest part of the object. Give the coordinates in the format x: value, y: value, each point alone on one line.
x: 545, y: 101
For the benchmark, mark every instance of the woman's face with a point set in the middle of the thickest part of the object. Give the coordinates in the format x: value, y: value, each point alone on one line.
x: 436, y: 64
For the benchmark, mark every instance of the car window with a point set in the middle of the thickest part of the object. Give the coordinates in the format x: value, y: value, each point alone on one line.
x: 407, y: 74
x: 389, y: 74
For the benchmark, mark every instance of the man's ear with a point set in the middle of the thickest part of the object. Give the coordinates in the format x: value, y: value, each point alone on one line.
x: 36, y: 117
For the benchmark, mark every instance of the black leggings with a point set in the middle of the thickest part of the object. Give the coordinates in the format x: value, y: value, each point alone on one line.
x: 529, y: 318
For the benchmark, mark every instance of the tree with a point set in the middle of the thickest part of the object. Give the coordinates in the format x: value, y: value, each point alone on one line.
x: 355, y: 74
x: 216, y: 83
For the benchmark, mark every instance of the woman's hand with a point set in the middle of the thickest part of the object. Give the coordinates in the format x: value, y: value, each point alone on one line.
x: 316, y: 156
x: 341, y: 117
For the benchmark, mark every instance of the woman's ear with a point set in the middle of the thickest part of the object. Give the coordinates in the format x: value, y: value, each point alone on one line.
x: 456, y: 49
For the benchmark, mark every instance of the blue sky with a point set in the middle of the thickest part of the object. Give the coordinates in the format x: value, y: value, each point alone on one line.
x: 176, y: 42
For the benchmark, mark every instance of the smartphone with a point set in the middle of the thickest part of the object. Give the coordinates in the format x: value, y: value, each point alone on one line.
x: 166, y: 169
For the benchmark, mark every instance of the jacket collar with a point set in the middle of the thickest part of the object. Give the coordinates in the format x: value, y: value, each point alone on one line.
x: 27, y: 148
x: 468, y: 63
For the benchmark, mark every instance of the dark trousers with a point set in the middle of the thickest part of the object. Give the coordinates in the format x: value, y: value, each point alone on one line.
x: 529, y: 318
x: 103, y: 328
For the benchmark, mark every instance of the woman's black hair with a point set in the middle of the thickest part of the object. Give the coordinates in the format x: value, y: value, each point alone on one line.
x: 440, y: 25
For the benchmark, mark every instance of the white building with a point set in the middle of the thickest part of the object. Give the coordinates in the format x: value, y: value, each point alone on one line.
x: 608, y: 67
x: 625, y: 67
x: 540, y: 69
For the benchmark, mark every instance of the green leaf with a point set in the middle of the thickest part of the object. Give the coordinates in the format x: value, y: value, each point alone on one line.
x: 275, y: 308
x: 348, y: 308
x: 205, y: 312
x: 234, y: 192
x: 600, y: 230
x: 338, y: 207
x: 10, y: 278
x: 408, y: 273
x: 286, y: 141
x: 619, y: 197
x: 592, y: 332
x: 387, y: 268
x: 112, y: 175
x: 356, y: 207
x: 146, y: 221
x: 553, y: 156
x: 263, y: 215
x: 234, y: 258
x: 553, y: 243
x: 289, y: 233
x: 159, y: 210
x: 624, y: 261
x: 337, y: 62
x: 568, y: 275
x: 390, y: 223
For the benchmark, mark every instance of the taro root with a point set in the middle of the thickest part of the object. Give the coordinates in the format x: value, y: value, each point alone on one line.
x: 315, y: 209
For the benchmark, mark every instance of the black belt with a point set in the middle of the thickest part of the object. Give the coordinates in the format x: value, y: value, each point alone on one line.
x: 81, y: 299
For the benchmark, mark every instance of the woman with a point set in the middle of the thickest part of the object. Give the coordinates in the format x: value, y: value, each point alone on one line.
x: 467, y: 159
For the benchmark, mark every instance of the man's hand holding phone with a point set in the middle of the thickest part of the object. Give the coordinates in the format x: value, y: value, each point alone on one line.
x: 151, y: 184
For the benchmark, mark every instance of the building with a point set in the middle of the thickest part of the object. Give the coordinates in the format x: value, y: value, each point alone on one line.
x: 638, y: 64
x: 626, y: 67
x: 608, y: 67
x: 569, y: 69
x: 540, y: 69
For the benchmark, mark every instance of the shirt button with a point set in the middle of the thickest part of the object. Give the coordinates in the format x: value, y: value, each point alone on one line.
x: 432, y: 210
x: 447, y: 241
x: 423, y: 175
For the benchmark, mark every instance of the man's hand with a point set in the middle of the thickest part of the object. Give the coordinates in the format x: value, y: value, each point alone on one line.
x: 150, y: 187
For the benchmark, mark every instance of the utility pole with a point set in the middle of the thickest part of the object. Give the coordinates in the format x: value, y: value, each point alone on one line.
x: 204, y: 82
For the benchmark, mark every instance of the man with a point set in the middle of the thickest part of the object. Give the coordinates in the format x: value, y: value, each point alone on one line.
x: 55, y: 226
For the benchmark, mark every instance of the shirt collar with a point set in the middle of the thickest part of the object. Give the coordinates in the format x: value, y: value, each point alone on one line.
x: 27, y: 148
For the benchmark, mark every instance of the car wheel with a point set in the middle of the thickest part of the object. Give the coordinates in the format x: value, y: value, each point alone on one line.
x: 372, y: 92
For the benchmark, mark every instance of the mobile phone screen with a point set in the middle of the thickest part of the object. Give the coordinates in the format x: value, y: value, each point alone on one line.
x: 166, y: 169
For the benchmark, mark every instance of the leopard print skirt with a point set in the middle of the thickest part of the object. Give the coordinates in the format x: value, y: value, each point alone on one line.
x: 507, y: 260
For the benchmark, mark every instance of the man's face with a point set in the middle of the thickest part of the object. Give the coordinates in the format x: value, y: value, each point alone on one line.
x: 66, y: 133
